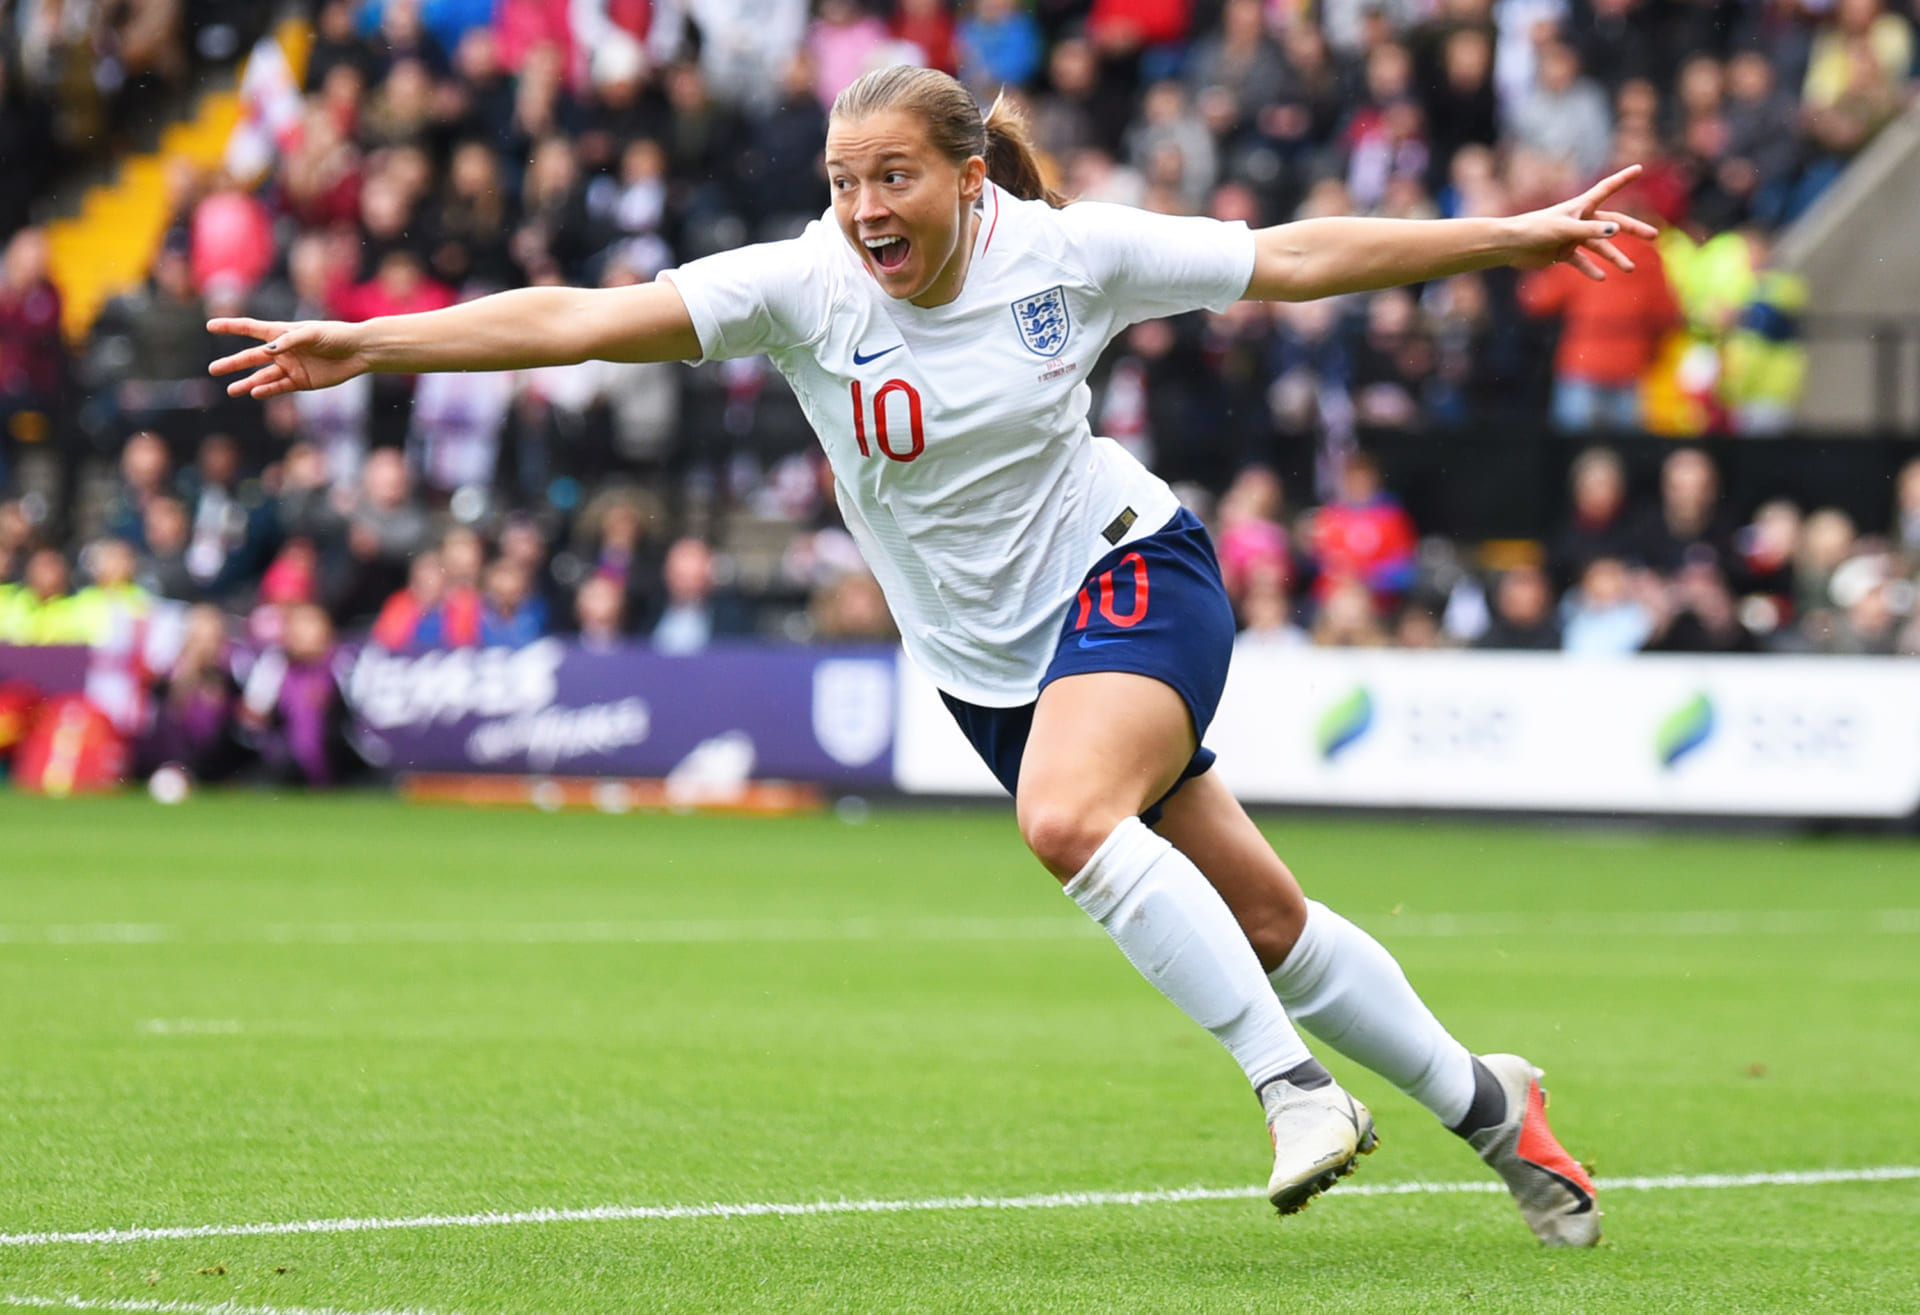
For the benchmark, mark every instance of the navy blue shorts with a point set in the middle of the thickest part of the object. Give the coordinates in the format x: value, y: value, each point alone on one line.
x: 1154, y: 607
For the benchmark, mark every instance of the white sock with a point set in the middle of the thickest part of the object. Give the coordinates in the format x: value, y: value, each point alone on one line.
x: 1341, y: 985
x: 1177, y: 931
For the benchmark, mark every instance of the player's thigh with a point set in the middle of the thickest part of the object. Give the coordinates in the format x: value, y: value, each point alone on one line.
x: 1104, y: 746
x: 1207, y: 824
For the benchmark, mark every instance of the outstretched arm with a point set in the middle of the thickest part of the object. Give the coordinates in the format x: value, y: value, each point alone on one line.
x: 515, y: 330
x: 1324, y: 257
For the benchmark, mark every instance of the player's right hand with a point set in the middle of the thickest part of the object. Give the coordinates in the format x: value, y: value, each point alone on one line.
x: 294, y: 357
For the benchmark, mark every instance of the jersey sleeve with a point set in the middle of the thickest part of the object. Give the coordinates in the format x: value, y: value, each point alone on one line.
x: 1149, y: 264
x: 755, y: 300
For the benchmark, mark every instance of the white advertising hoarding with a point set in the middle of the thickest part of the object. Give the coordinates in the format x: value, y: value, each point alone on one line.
x: 1794, y: 737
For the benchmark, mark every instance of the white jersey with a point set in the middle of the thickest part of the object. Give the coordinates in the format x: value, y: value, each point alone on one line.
x: 958, y: 436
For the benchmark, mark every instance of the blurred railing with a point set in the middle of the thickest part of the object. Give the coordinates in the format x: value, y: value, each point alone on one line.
x: 1889, y: 348
x: 1511, y: 481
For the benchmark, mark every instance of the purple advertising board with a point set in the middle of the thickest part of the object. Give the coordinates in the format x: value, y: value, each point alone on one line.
x: 60, y: 669
x: 770, y: 713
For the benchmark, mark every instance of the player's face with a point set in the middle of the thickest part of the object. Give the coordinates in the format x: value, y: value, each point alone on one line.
x: 905, y: 207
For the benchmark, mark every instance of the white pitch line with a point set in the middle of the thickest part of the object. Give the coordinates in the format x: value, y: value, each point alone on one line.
x: 1045, y: 1201
x: 720, y: 931
x: 182, y: 1307
x: 1728, y: 922
x: 681, y: 931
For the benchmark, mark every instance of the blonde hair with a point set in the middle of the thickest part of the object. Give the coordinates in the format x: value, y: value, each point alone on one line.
x: 954, y: 124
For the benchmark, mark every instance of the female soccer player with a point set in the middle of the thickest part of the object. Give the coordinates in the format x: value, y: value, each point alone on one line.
x: 938, y: 324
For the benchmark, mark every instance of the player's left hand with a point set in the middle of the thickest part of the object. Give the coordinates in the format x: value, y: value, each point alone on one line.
x: 1579, y: 231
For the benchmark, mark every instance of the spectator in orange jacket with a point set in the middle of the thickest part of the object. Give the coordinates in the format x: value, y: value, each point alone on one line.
x: 454, y: 621
x: 1610, y: 336
x: 398, y: 626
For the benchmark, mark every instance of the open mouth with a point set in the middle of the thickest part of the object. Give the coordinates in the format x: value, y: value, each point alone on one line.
x: 889, y: 252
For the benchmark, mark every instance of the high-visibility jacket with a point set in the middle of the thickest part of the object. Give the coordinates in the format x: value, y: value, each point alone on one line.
x: 27, y: 618
x: 97, y: 607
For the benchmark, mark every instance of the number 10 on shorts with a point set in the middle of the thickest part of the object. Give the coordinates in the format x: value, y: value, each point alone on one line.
x: 883, y: 396
x: 1133, y: 616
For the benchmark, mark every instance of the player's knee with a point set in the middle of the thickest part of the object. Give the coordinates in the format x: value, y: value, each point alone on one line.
x: 1274, y: 926
x: 1063, y: 836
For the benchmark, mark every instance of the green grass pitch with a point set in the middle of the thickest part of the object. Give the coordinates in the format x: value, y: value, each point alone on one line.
x: 256, y: 1010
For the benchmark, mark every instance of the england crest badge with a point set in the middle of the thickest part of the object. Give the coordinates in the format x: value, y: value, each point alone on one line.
x: 1043, y: 321
x: 853, y: 708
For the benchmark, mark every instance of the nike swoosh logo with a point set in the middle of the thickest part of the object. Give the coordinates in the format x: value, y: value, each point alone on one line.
x: 858, y: 359
x: 1088, y: 641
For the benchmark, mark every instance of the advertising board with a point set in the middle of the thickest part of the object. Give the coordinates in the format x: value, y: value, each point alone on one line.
x: 1793, y: 737
x: 823, y: 715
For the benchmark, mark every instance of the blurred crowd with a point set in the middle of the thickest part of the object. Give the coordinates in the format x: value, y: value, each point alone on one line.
x: 435, y: 150
x: 1674, y: 571
x: 81, y: 77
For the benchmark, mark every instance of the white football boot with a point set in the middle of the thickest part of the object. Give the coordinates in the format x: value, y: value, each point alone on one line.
x: 1554, y: 1193
x: 1317, y: 1134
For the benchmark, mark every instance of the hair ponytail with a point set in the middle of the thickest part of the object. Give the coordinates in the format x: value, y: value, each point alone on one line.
x: 954, y: 124
x: 1012, y: 160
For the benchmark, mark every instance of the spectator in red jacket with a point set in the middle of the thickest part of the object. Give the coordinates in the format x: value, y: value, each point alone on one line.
x: 521, y: 25
x: 321, y: 173
x: 232, y: 237
x: 1364, y: 535
x: 1611, y: 335
x: 400, y: 288
x: 1123, y: 26
x: 928, y: 25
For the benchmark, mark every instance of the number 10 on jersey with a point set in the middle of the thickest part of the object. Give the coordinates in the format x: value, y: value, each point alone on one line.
x: 882, y: 396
